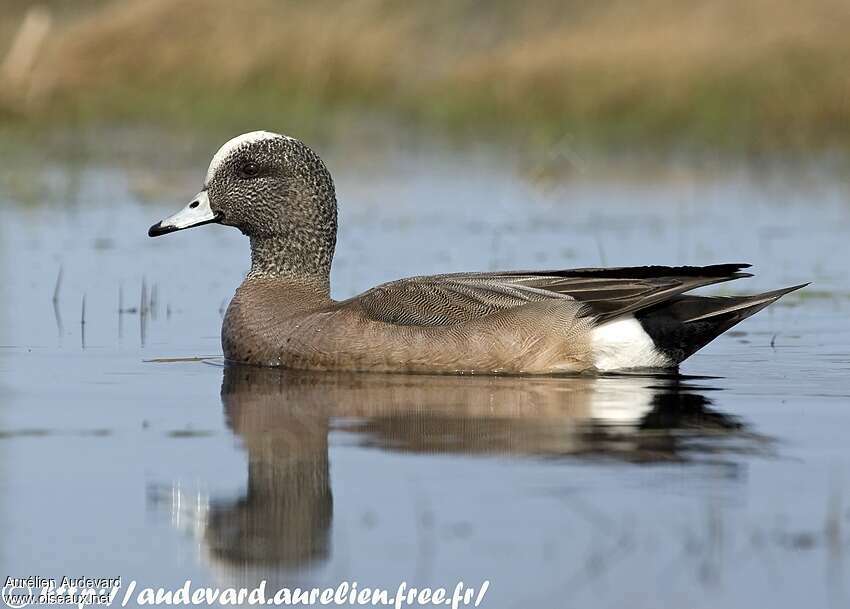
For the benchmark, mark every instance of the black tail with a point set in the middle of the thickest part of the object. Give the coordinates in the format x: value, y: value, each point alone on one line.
x: 681, y: 326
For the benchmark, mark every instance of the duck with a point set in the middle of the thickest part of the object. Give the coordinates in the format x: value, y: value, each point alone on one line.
x: 279, y: 193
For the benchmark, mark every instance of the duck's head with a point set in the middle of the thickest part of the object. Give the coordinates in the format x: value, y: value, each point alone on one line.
x: 275, y: 190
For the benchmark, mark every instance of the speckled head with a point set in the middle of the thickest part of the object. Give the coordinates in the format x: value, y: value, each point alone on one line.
x: 276, y: 191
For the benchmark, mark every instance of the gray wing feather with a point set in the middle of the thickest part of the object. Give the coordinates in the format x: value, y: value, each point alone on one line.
x: 444, y: 300
x: 441, y: 301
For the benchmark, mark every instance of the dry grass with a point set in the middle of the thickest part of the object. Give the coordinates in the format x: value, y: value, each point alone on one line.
x: 762, y: 73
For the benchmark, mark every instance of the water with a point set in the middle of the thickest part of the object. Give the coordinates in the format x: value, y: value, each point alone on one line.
x: 127, y: 449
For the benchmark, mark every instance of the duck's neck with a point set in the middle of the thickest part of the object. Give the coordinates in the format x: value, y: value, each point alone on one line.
x: 303, y: 256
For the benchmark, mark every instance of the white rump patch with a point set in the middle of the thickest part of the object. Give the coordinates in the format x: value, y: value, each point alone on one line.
x: 623, y: 343
x: 236, y: 143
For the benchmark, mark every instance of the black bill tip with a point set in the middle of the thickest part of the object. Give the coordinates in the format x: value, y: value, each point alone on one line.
x: 158, y: 229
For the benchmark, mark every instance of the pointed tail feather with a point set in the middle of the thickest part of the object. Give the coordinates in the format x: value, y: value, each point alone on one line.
x: 683, y: 325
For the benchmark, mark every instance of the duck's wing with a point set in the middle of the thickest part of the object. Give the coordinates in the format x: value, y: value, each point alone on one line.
x: 445, y: 300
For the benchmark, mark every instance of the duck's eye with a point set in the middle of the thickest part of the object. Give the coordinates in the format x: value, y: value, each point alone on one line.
x: 249, y: 169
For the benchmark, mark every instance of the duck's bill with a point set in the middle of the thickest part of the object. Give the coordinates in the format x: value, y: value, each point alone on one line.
x: 196, y: 213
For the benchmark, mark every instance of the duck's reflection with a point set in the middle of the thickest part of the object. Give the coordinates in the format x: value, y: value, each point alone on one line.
x: 283, y: 418
x: 285, y: 516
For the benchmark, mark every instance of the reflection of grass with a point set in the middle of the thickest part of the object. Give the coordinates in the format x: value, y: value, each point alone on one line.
x: 759, y: 73
x: 189, y: 433
x: 814, y: 294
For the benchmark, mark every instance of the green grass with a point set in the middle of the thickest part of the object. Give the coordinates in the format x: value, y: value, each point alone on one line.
x: 748, y: 76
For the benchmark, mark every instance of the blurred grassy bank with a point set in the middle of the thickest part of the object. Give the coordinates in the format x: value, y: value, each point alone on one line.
x: 751, y: 74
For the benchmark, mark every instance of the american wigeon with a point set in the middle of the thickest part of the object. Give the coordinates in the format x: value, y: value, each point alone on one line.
x: 279, y: 193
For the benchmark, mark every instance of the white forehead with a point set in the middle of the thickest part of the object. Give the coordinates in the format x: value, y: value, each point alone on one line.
x: 235, y: 144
